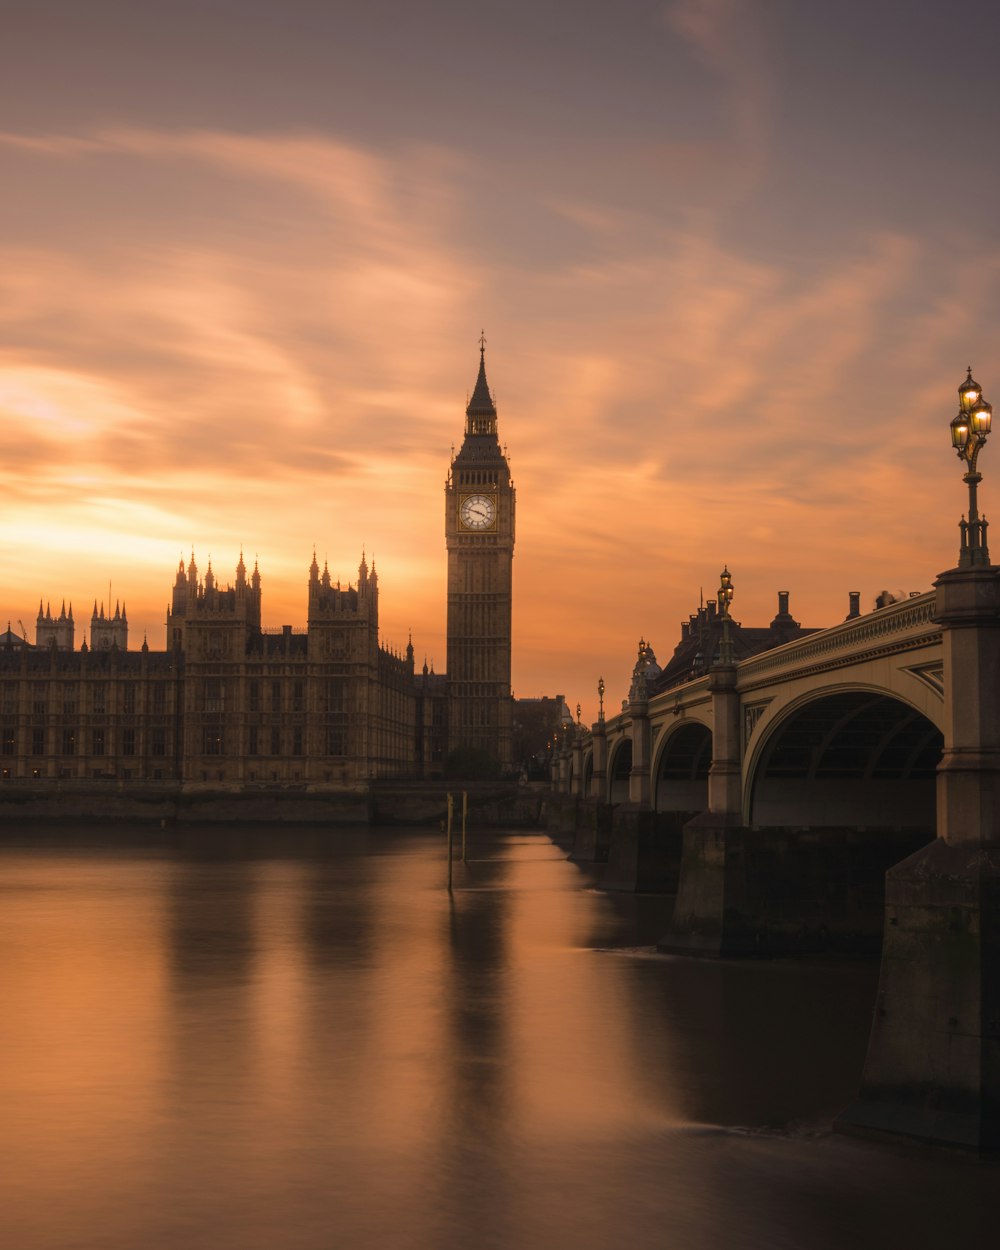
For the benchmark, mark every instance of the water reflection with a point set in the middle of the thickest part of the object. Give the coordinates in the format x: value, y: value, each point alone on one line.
x: 301, y: 1040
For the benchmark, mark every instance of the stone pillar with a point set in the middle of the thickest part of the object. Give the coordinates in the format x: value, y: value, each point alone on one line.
x: 593, y: 812
x: 710, y: 916
x: 725, y: 789
x: 576, y: 767
x: 932, y: 1072
x: 599, y: 779
x: 968, y: 790
x: 638, y: 780
x: 562, y: 771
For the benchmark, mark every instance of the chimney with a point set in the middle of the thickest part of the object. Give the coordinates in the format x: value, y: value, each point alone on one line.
x: 782, y: 602
x: 855, y: 598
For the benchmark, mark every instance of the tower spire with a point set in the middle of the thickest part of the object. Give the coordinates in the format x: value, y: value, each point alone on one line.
x: 481, y: 413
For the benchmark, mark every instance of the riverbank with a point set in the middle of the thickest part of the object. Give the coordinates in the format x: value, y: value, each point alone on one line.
x: 491, y: 806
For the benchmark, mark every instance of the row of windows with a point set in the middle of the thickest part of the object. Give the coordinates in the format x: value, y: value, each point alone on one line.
x: 273, y: 695
x: 126, y: 774
x: 47, y: 697
x: 475, y: 714
x: 97, y: 741
x: 70, y: 742
x: 214, y: 741
x: 477, y: 477
x: 72, y: 695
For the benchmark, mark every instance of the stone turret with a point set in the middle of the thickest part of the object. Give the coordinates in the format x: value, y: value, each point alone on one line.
x: 332, y: 602
x: 55, y: 631
x: 107, y: 631
x: 194, y: 601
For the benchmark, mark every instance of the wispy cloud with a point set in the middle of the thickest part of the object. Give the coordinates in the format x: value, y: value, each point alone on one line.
x: 266, y: 340
x: 726, y: 37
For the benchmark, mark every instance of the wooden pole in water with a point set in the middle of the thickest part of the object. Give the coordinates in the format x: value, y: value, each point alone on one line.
x: 465, y: 815
x: 451, y: 812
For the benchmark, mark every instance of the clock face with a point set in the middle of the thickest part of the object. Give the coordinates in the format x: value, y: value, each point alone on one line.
x: 477, y: 512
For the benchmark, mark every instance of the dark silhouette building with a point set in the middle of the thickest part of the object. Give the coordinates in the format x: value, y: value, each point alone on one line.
x: 232, y: 702
x: 479, y: 532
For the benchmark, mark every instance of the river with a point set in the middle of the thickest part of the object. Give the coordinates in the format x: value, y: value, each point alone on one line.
x: 261, y: 1038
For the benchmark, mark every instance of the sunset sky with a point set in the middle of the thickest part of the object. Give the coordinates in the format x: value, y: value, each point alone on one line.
x: 732, y: 258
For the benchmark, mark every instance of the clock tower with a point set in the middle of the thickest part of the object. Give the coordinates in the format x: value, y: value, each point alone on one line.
x: 479, y: 530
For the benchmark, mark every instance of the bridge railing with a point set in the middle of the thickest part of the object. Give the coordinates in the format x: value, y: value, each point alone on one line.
x: 908, y: 621
x: 898, y: 624
x: 679, y: 697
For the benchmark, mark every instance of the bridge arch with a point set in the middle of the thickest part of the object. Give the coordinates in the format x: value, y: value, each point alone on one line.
x: 680, y: 768
x: 587, y: 765
x: 619, y: 769
x: 853, y: 756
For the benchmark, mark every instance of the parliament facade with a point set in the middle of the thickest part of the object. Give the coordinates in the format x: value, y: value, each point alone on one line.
x: 231, y: 702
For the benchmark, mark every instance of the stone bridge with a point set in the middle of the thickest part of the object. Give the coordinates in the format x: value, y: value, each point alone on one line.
x: 867, y: 696
x: 776, y: 794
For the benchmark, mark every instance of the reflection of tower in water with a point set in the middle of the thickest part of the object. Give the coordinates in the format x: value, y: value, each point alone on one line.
x: 210, y: 917
x: 211, y: 955
x: 474, y: 1153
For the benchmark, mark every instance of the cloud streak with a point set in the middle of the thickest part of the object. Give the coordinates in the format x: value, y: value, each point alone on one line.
x: 266, y: 340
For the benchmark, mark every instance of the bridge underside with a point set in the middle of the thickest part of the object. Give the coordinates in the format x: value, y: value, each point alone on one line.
x: 844, y: 789
x: 852, y: 760
x: 621, y: 768
x: 682, y: 774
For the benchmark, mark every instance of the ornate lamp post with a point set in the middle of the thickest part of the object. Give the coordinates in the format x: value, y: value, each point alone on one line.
x: 725, y: 599
x: 600, y: 696
x: 579, y: 709
x: 969, y: 431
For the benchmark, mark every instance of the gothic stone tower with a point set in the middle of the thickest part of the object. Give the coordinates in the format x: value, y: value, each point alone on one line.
x: 479, y: 529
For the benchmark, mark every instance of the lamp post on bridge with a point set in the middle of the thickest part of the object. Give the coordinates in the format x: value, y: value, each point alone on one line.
x: 969, y: 431
x: 598, y: 781
x: 725, y: 599
x: 931, y: 1072
x: 713, y: 883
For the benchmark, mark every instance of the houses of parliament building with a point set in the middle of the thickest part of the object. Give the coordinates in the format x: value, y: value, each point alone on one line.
x: 228, y: 701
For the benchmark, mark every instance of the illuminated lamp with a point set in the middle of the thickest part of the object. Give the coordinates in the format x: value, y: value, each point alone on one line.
x: 969, y: 431
x: 970, y: 392
x: 981, y: 417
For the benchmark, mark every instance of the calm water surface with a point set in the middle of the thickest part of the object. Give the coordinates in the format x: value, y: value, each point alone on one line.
x: 247, y: 1040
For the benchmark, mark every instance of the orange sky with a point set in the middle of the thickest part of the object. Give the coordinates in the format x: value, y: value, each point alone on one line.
x: 727, y: 308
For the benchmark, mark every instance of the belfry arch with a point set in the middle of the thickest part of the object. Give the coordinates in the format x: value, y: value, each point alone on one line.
x: 850, y: 759
x: 681, y: 776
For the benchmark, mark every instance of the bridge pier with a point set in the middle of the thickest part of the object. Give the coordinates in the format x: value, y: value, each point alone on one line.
x: 576, y: 768
x: 638, y: 780
x: 592, y: 832
x: 561, y: 766
x: 645, y: 850
x: 711, y: 883
x: 781, y: 890
x: 599, y: 777
x: 592, y: 829
x: 933, y: 1066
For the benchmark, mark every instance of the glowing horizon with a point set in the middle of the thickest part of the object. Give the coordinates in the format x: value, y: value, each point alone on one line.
x: 727, y: 311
